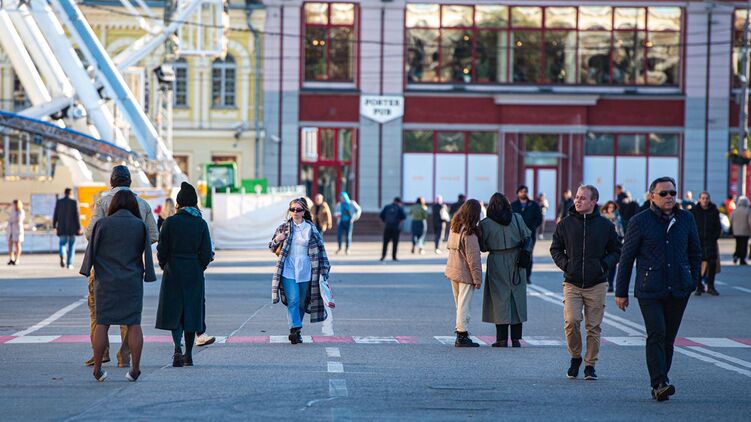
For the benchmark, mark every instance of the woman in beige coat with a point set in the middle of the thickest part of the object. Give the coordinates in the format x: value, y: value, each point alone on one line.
x: 464, y: 266
x: 740, y: 222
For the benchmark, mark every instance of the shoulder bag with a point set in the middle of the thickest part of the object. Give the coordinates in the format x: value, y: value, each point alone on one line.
x: 524, y: 258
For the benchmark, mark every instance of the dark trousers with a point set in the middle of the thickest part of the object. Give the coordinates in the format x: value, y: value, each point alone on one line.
x: 741, y: 246
x: 438, y: 233
x: 501, y: 332
x: 390, y: 235
x: 710, y: 270
x: 662, y: 318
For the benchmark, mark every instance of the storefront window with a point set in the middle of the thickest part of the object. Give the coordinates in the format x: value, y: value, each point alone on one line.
x: 599, y: 144
x: 588, y: 45
x: 450, y: 142
x: 482, y: 143
x: 418, y: 141
x: 662, y: 144
x: 526, y: 56
x: 631, y: 145
x: 328, y: 162
x: 329, y: 41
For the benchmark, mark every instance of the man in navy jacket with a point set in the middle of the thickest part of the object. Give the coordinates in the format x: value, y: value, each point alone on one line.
x: 532, y: 215
x: 664, y: 242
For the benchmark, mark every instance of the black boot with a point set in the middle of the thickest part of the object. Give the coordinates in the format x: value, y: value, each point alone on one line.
x: 294, y: 335
x: 463, y: 340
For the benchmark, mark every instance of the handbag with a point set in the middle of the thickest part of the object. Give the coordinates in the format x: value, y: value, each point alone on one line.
x: 280, y: 246
x: 524, y: 258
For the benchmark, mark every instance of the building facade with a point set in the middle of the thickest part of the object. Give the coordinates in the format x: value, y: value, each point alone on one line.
x: 497, y: 94
x: 213, y: 100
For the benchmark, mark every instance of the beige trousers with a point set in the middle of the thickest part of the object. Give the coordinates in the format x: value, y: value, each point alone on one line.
x: 463, y: 299
x: 592, y: 301
x: 123, y: 355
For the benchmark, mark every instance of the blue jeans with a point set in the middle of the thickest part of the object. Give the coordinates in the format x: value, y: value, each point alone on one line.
x: 345, y: 228
x: 69, y: 243
x: 297, y: 295
x: 419, y: 229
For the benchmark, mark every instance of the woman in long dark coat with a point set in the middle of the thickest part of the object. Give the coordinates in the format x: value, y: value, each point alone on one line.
x: 120, y: 253
x: 504, y: 301
x: 184, y: 252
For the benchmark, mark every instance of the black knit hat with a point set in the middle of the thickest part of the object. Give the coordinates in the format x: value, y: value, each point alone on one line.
x: 120, y: 176
x: 187, y: 197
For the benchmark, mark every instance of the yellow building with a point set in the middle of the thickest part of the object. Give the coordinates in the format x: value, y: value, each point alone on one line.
x: 213, y: 100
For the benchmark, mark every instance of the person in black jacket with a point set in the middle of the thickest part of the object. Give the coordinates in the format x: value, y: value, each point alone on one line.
x: 585, y: 246
x: 392, y: 216
x: 453, y: 209
x: 665, y: 244
x: 532, y: 215
x: 566, y: 203
x: 707, y: 218
x: 68, y: 224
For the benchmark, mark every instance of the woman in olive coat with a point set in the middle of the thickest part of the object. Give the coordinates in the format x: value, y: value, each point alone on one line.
x: 505, y: 295
x: 184, y: 252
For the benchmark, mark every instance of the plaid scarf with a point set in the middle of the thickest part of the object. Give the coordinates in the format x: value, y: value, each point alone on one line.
x: 320, y: 267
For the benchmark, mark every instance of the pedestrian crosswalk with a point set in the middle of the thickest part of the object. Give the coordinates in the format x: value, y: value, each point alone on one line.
x: 529, y: 341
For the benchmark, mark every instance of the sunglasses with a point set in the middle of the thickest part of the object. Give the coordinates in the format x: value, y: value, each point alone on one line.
x: 664, y: 193
x: 296, y: 209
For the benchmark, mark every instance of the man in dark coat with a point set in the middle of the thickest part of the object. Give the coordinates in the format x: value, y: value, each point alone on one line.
x: 392, y: 216
x: 707, y: 218
x: 68, y: 224
x: 586, y: 247
x: 453, y: 209
x: 532, y: 215
x: 626, y: 205
x: 665, y: 244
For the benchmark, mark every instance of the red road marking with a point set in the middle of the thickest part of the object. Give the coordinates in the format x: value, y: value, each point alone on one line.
x: 3, y: 339
x: 157, y: 339
x: 739, y: 340
x: 487, y: 339
x: 254, y: 339
x: 681, y: 341
x: 406, y: 339
x: 72, y: 339
x: 332, y: 339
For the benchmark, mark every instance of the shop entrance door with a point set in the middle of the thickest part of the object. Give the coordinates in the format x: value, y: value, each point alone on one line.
x: 543, y: 179
x: 327, y: 162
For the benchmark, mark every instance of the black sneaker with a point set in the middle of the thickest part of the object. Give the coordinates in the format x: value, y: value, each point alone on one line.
x: 589, y: 373
x: 100, y: 376
x: 662, y: 392
x: 573, y: 370
x: 463, y: 340
x: 713, y: 292
x: 187, y: 360
x: 516, y: 343
x: 62, y: 264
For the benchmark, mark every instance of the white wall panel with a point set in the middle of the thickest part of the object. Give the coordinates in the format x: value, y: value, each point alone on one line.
x: 482, y: 173
x: 631, y: 172
x: 598, y: 172
x: 417, y: 177
x: 450, y: 175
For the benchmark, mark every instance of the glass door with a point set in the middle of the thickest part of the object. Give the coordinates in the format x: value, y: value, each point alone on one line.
x: 327, y: 162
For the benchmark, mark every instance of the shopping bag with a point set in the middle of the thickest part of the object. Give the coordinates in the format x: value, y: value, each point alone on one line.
x: 326, y: 295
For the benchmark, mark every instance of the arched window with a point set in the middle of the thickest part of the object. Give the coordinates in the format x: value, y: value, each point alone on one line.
x: 223, y: 77
x: 180, y: 85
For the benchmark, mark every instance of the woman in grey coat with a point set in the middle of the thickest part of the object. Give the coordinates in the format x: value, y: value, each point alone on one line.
x: 505, y: 296
x: 120, y: 253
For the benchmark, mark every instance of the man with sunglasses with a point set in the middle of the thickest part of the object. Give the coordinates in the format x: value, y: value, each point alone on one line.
x: 664, y: 242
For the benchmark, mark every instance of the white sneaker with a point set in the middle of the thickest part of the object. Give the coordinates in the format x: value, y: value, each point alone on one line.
x: 204, y: 340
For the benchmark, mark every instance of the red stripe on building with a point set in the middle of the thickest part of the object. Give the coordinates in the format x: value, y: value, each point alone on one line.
x: 329, y: 108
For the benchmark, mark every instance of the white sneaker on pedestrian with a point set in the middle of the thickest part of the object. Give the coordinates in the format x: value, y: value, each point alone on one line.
x: 70, y: 267
x: 204, y: 340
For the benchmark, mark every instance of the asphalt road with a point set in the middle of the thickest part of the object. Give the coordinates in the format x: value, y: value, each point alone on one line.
x: 386, y: 358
